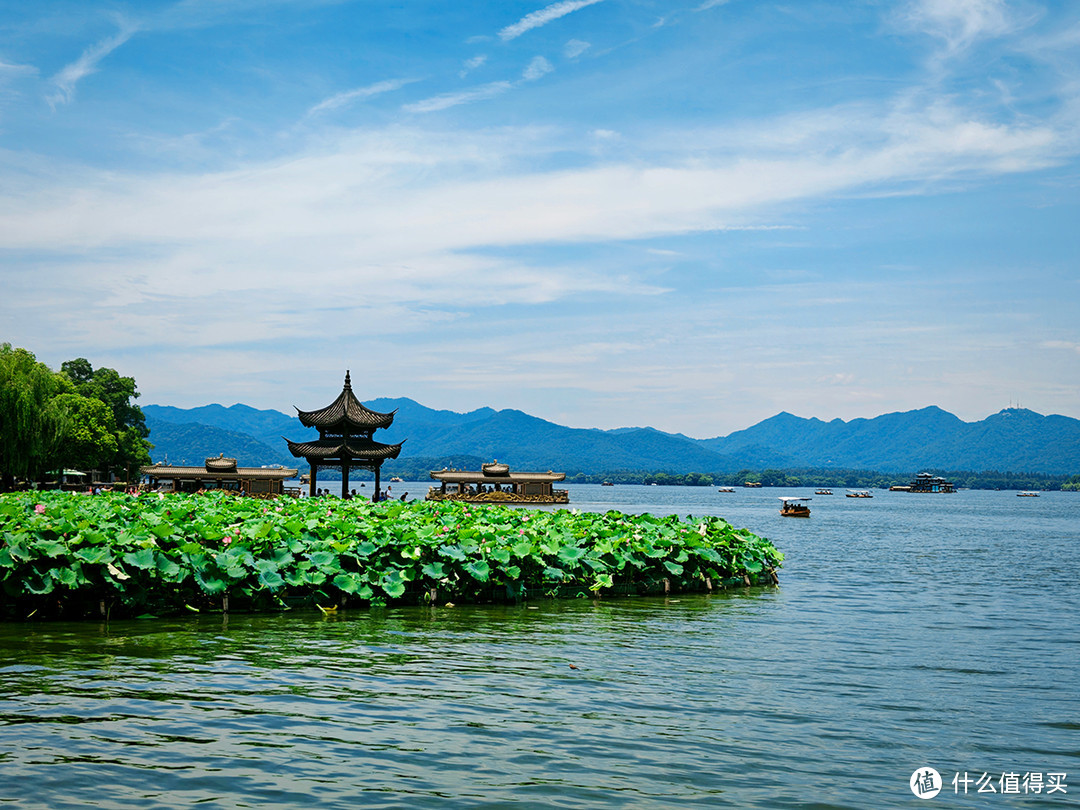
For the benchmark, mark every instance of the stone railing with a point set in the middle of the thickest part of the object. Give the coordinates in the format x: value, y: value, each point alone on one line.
x: 556, y: 496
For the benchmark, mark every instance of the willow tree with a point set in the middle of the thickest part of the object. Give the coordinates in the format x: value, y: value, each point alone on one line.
x: 30, y: 430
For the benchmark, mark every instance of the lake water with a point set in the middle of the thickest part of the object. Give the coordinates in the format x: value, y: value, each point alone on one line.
x: 908, y: 631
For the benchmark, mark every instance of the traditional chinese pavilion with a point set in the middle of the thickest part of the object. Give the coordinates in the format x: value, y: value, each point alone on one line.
x: 345, y: 428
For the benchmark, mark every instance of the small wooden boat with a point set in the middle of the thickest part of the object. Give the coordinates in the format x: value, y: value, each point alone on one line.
x: 1027, y: 494
x: 859, y: 493
x: 607, y: 484
x: 794, y: 507
x: 725, y: 489
x: 823, y: 492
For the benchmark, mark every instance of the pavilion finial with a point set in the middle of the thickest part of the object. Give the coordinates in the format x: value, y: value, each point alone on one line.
x: 348, y: 382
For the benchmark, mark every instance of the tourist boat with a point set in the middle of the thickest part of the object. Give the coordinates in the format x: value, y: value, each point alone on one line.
x: 607, y: 484
x: 1027, y: 494
x: 794, y: 507
x: 725, y: 489
x: 859, y: 493
x: 823, y: 492
x: 395, y: 480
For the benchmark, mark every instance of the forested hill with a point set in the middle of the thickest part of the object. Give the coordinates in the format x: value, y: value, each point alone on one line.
x: 1013, y: 440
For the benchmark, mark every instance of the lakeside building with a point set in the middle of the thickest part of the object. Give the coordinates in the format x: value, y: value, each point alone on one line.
x: 219, y: 473
x: 345, y: 429
x: 495, y: 483
x: 926, y: 482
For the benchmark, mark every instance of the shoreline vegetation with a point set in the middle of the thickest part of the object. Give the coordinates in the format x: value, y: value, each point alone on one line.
x: 409, y: 470
x: 71, y: 556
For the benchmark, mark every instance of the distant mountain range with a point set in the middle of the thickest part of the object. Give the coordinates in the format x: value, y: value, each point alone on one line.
x: 1013, y: 440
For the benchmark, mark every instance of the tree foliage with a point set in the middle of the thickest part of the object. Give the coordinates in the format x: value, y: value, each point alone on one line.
x: 30, y: 431
x: 90, y: 432
x: 127, y: 447
x: 79, y: 417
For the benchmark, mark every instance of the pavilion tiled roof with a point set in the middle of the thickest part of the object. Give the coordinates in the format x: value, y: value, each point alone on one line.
x: 357, y: 447
x: 168, y: 471
x: 344, y: 411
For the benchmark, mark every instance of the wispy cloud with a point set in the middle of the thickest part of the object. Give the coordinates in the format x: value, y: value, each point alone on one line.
x: 959, y: 22
x: 340, y: 100
x: 537, y: 68
x: 447, y: 100
x: 472, y: 64
x: 1062, y: 344
x: 70, y: 75
x: 575, y: 48
x: 8, y: 69
x: 543, y: 17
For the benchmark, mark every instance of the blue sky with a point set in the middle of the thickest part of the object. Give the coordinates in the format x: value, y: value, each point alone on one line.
x: 602, y: 212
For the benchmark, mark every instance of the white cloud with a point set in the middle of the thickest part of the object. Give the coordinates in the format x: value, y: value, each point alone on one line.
x: 359, y: 202
x: 8, y: 69
x: 342, y: 99
x: 537, y: 68
x: 575, y: 48
x: 1062, y: 344
x: 543, y: 17
x: 447, y: 100
x: 472, y: 64
x: 70, y: 75
x: 959, y: 22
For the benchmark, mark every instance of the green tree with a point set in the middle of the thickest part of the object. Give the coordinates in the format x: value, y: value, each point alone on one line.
x: 30, y: 430
x: 130, y: 447
x: 90, y: 437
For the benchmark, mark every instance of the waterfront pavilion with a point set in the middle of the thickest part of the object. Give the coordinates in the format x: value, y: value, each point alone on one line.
x: 345, y: 439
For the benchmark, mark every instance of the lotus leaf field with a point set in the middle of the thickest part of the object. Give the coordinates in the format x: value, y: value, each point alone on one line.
x: 71, y: 555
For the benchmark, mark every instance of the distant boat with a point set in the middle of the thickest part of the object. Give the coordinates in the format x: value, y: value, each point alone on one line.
x: 1027, y: 494
x: 752, y: 484
x: 725, y: 489
x: 395, y: 480
x: 823, y: 492
x: 794, y: 507
x: 607, y: 484
x: 859, y: 493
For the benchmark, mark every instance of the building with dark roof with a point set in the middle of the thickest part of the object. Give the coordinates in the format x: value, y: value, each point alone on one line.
x: 220, y: 473
x: 345, y: 439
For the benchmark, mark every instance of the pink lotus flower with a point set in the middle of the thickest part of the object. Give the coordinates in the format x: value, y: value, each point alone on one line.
x: 40, y: 509
x: 226, y: 540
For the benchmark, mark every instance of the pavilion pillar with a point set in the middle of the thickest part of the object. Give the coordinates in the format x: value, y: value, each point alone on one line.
x: 345, y: 480
x: 312, y: 478
x: 377, y: 494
